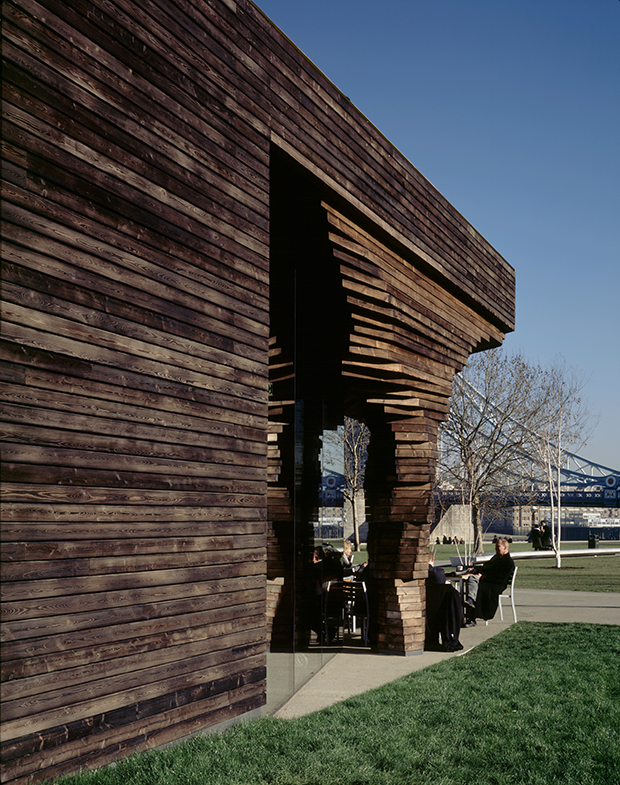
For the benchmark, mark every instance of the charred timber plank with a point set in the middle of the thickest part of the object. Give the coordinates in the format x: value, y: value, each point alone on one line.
x: 100, y: 739
x: 130, y: 182
x: 405, y: 272
x: 246, y: 139
x: 176, y: 584
x: 439, y: 352
x: 158, y: 98
x: 422, y: 318
x: 71, y: 568
x: 376, y: 287
x: 46, y: 552
x: 45, y: 428
x: 32, y: 550
x: 42, y: 693
x: 39, y: 368
x: 40, y: 273
x: 130, y: 154
x: 19, y: 497
x: 449, y: 344
x: 149, y: 635
x: 227, y: 435
x: 86, y: 476
x: 29, y: 593
x: 68, y: 192
x: 98, y: 630
x: 78, y: 344
x: 75, y: 333
x: 155, y: 526
x: 165, y: 681
x: 32, y: 619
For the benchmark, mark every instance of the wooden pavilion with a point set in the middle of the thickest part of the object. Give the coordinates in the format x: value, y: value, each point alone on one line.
x: 210, y: 256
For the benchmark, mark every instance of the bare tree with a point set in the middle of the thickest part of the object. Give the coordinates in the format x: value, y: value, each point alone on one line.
x: 494, y: 405
x: 356, y: 439
x: 347, y: 447
x: 562, y: 424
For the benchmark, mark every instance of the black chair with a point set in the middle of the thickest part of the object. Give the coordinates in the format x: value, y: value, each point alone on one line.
x: 346, y: 605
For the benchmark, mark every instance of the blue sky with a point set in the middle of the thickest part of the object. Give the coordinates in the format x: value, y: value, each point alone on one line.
x: 511, y: 108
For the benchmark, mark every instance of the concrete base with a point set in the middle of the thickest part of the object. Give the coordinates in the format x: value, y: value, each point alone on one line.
x: 391, y: 653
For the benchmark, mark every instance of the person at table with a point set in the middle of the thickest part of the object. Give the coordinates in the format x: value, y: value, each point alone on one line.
x: 324, y: 568
x: 444, y: 612
x: 348, y: 568
x: 486, y: 582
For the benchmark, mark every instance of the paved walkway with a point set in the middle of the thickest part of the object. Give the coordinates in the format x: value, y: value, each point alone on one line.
x: 354, y: 671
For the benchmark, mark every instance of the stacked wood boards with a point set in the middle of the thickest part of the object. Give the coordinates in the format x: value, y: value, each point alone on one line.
x: 409, y: 336
x: 134, y: 398
x: 137, y: 141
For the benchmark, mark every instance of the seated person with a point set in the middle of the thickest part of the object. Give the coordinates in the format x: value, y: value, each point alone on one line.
x: 324, y: 568
x: 444, y: 614
x: 486, y: 582
x: 545, y: 536
x: 348, y: 568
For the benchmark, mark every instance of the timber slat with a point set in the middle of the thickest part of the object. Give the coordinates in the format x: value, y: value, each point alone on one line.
x: 63, y: 634
x: 145, y: 461
x: 148, y: 636
x: 202, y: 670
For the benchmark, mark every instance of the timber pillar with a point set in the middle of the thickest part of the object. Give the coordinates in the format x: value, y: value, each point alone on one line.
x: 399, y: 534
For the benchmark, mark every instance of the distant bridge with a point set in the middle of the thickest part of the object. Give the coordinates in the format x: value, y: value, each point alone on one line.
x: 569, y: 497
x: 583, y: 483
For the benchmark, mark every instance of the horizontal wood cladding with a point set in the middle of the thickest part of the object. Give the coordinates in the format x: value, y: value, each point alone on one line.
x: 316, y: 123
x: 112, y: 734
x: 281, y: 93
x: 133, y: 372
x: 409, y: 335
x: 138, y: 165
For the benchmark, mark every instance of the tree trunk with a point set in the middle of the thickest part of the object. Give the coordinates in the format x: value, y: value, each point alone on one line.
x: 356, y: 529
x: 476, y: 523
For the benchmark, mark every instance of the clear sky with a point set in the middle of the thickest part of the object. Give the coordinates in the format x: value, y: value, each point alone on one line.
x: 511, y: 108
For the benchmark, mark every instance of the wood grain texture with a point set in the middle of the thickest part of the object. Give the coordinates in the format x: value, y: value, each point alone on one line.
x: 146, y: 491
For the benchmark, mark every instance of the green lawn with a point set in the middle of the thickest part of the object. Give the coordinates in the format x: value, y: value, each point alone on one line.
x: 578, y: 573
x: 536, y: 704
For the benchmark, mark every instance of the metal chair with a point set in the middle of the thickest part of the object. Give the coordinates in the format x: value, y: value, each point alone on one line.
x: 508, y: 594
x: 346, y: 602
x: 356, y: 607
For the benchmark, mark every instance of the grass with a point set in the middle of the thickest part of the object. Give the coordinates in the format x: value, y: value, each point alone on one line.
x: 578, y: 573
x: 536, y: 704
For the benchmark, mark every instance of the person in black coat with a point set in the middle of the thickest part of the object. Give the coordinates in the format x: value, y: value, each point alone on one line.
x: 348, y: 568
x: 486, y: 583
x: 444, y: 613
x: 545, y: 536
x: 534, y: 537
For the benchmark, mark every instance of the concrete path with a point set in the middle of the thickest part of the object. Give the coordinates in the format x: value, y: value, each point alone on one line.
x: 354, y: 671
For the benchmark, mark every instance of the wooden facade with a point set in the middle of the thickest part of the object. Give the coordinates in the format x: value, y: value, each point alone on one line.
x: 176, y: 176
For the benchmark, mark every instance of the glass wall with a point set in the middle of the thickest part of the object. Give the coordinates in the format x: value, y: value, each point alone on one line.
x: 309, y: 330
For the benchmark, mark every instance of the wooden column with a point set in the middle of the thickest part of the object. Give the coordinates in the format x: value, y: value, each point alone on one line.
x: 408, y: 338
